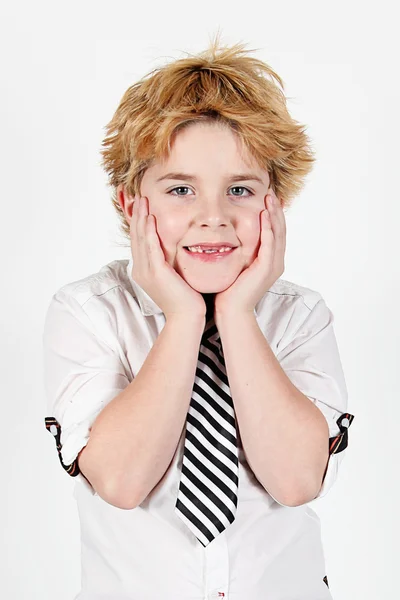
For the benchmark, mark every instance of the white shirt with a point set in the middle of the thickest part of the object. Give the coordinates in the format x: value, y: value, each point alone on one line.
x: 98, y: 332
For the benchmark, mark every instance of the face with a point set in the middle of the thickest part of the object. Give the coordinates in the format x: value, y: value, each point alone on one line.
x: 207, y: 202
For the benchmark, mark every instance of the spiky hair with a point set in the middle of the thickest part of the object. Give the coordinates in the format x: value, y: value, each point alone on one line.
x: 222, y: 84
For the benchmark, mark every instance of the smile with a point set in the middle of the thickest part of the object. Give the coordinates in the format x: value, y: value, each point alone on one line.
x: 210, y: 256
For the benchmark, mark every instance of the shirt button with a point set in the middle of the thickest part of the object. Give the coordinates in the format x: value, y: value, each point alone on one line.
x: 53, y: 429
x: 218, y: 594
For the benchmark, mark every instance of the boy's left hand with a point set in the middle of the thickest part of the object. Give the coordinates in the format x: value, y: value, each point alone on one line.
x: 268, y: 266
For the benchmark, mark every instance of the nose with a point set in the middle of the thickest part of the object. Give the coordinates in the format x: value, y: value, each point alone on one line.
x: 214, y: 212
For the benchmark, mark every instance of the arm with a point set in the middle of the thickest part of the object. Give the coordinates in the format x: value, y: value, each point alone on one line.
x: 284, y: 435
x: 134, y: 438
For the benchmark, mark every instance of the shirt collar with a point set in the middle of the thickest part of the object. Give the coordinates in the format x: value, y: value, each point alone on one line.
x: 147, y: 304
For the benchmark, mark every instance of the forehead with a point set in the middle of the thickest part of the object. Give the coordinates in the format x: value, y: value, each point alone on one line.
x: 211, y: 148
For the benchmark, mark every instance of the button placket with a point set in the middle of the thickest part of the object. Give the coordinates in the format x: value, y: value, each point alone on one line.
x: 217, y: 568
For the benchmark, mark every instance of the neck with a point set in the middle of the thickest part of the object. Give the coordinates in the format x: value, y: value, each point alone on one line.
x: 209, y: 300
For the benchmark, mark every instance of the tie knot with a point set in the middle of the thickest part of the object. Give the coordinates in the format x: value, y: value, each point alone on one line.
x: 210, y: 329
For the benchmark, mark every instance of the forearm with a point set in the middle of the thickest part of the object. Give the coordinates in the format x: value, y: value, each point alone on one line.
x: 135, y: 436
x: 284, y: 435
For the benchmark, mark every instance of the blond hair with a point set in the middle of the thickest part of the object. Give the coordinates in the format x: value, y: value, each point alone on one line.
x: 221, y: 84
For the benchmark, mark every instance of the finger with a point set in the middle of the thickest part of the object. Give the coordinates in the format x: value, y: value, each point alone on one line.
x: 277, y: 216
x: 277, y: 211
x: 135, y: 215
x: 141, y: 232
x: 132, y: 223
x: 279, y: 230
x: 133, y: 227
x: 156, y: 254
x: 155, y: 251
x: 266, y: 249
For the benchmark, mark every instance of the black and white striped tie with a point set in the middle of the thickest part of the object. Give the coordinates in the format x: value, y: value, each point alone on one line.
x: 207, y: 495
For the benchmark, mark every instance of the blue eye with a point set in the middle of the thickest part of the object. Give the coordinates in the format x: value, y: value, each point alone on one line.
x: 237, y: 187
x: 181, y: 187
x: 240, y: 187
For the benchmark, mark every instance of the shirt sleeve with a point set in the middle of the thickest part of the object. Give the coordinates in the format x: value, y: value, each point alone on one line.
x: 311, y: 361
x: 82, y: 373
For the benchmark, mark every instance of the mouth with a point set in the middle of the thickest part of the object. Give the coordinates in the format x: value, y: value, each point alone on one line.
x: 209, y: 255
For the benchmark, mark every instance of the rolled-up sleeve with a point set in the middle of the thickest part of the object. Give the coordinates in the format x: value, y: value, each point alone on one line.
x: 82, y: 373
x: 311, y: 361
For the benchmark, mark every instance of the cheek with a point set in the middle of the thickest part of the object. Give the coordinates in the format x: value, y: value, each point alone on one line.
x: 171, y: 229
x: 248, y: 231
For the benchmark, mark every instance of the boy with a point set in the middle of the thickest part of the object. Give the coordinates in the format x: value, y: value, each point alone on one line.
x: 198, y: 398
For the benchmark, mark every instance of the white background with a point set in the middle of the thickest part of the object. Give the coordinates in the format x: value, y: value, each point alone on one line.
x: 64, y: 69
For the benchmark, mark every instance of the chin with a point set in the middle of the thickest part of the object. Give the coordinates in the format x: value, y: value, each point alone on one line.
x: 208, y: 287
x: 204, y: 284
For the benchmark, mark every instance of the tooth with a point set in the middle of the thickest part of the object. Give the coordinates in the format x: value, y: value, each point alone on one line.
x: 209, y: 250
x: 197, y: 249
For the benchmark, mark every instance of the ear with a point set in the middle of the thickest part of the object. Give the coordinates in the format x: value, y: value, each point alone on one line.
x: 125, y: 201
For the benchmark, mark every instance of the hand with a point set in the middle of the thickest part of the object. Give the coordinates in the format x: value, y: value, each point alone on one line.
x: 153, y: 273
x: 257, y: 279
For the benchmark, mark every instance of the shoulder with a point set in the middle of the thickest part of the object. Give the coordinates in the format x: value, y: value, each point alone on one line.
x: 110, y: 277
x: 291, y: 293
x: 99, y: 304
x: 288, y: 308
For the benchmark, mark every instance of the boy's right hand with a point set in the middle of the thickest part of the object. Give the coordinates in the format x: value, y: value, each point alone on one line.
x: 153, y: 273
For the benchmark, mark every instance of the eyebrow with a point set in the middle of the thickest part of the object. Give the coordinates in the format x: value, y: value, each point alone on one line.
x: 188, y: 177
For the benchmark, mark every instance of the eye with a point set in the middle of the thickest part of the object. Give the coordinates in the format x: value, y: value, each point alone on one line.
x: 239, y: 187
x: 236, y: 187
x: 181, y: 187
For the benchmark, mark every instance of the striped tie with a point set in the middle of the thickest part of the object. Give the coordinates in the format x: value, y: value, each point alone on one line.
x: 207, y: 495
